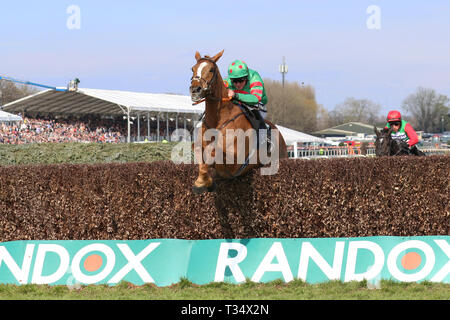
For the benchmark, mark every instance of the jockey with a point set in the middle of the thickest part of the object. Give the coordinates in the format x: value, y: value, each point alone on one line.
x: 402, y: 130
x: 245, y: 85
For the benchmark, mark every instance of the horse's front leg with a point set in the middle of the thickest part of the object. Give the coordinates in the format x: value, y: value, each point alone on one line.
x: 204, y: 180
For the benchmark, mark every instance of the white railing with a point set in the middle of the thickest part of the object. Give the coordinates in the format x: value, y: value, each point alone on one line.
x: 332, y: 152
x: 436, y: 151
x: 327, y: 152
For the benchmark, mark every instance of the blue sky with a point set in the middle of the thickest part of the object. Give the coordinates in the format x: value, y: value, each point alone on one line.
x: 149, y: 46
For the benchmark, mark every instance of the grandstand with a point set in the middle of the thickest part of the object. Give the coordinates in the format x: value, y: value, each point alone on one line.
x: 101, y: 110
x: 113, y: 104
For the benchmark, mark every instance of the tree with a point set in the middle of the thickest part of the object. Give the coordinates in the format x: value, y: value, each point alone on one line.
x: 427, y: 109
x: 292, y: 106
x: 354, y: 110
x: 9, y: 91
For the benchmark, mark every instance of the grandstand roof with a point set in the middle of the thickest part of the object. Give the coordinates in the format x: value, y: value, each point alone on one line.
x: 292, y: 136
x: 99, y: 101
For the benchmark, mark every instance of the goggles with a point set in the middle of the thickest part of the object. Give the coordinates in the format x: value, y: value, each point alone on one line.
x: 238, y: 80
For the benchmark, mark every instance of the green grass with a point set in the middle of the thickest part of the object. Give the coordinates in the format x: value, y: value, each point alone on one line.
x: 276, y: 290
x: 80, y: 153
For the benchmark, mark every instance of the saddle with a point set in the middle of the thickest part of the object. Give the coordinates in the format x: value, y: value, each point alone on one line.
x: 251, y: 115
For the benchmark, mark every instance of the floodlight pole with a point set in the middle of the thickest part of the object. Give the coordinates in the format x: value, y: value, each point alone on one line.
x: 283, y: 70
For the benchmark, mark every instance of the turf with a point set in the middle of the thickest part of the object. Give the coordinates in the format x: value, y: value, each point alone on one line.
x: 80, y: 153
x: 276, y: 290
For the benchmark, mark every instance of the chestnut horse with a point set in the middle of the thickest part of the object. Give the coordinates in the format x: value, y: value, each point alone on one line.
x: 223, y: 116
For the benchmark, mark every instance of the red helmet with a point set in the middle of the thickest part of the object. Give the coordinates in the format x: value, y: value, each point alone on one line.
x: 393, y: 116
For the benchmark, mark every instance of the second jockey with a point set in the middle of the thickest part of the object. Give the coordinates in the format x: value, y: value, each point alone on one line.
x: 402, y: 130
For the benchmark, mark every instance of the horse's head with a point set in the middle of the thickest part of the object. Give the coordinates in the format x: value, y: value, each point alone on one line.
x: 383, y: 142
x: 385, y: 145
x: 205, y: 72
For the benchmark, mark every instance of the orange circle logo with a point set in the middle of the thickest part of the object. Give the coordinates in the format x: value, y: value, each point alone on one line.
x: 411, y: 260
x: 93, y: 263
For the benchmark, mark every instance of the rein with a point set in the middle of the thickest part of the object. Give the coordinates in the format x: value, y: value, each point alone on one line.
x: 223, y: 124
x: 204, y: 99
x: 400, y: 149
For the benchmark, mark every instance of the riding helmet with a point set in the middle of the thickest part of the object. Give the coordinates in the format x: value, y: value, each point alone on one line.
x: 393, y: 116
x: 237, y: 69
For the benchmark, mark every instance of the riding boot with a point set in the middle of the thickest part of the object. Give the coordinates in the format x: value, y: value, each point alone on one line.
x: 415, y: 151
x: 263, y: 126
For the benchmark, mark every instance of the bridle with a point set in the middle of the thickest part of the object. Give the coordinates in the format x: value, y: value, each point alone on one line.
x: 208, y: 92
x: 384, y: 145
x: 208, y: 84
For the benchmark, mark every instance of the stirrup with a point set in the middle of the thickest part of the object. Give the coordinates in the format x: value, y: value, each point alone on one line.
x: 270, y: 145
x: 267, y: 143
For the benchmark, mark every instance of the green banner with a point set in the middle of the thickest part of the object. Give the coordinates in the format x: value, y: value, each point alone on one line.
x: 164, y: 261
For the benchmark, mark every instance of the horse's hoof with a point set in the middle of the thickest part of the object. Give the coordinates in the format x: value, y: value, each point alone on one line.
x: 212, y: 187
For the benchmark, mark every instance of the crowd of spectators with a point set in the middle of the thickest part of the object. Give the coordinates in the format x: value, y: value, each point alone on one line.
x: 49, y: 129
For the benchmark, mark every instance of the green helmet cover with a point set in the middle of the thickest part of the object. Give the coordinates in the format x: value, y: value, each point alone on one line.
x: 237, y: 69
